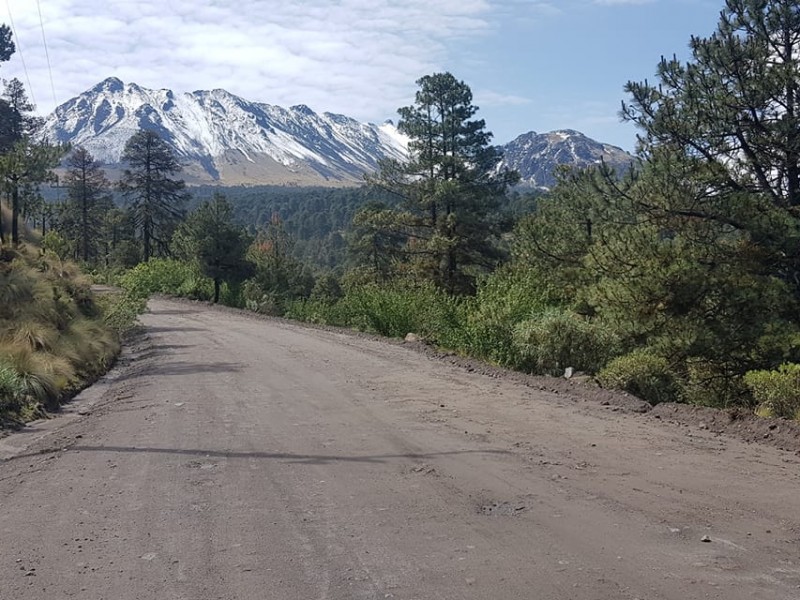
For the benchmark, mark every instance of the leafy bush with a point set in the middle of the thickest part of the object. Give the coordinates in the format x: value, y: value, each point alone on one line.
x: 389, y: 311
x: 166, y: 276
x: 561, y: 338
x: 644, y: 375
x: 120, y: 311
x: 777, y: 392
x: 485, y: 324
x: 392, y: 310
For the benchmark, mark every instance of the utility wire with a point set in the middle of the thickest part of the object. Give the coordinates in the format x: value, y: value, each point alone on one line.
x: 47, y: 54
x: 21, y: 56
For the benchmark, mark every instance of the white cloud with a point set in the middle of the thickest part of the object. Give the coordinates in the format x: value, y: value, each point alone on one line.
x: 358, y: 57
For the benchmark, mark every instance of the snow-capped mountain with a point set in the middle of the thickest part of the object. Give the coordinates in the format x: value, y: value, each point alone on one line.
x: 537, y: 156
x: 220, y: 137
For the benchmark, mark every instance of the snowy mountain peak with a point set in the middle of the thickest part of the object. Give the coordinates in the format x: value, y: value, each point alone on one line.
x: 537, y: 156
x: 222, y: 137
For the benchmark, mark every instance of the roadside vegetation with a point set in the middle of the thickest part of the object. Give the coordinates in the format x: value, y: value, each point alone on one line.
x: 53, y: 336
x: 56, y: 337
x: 676, y: 281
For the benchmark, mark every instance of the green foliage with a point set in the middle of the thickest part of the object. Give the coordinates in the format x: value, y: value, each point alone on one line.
x: 210, y: 239
x: 166, y: 276
x: 485, y: 324
x: 12, y: 388
x: 278, y: 277
x: 327, y: 289
x: 557, y: 339
x: 83, y: 217
x: 643, y: 374
x: 155, y: 198
x: 447, y: 227
x: 777, y: 392
x: 57, y: 244
x: 316, y: 218
x: 121, y: 311
x: 392, y: 311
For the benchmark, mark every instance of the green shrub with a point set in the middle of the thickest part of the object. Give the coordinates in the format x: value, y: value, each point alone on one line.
x: 11, y: 388
x: 644, y: 375
x: 561, y: 338
x: 486, y: 323
x: 390, y: 311
x: 716, y: 382
x: 121, y: 311
x: 777, y: 392
x: 166, y: 276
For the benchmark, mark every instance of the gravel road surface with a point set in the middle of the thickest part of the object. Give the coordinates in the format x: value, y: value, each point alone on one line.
x: 235, y: 458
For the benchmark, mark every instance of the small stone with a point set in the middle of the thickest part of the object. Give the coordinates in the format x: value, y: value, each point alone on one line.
x: 569, y: 372
x: 705, y: 538
x: 411, y: 338
x: 703, y: 426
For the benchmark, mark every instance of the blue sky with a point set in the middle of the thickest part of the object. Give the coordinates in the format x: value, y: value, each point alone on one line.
x: 532, y: 64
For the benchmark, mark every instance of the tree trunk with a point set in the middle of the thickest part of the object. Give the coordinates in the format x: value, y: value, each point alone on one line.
x: 85, y: 226
x: 216, y: 291
x: 14, y: 213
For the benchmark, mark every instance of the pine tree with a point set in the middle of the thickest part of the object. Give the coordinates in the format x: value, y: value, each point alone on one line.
x: 210, y: 238
x: 729, y: 118
x: 450, y: 188
x: 7, y: 49
x: 156, y: 200
x: 88, y: 203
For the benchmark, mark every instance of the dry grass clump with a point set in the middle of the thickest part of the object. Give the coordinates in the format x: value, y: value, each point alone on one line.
x: 52, y: 337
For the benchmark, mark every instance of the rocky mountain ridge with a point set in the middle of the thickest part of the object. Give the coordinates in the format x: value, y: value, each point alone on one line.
x: 224, y: 139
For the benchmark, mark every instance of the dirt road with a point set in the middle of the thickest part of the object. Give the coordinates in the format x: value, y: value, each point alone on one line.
x: 242, y: 459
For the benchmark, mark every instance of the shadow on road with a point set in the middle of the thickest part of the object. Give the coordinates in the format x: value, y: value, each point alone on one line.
x: 181, y: 369
x: 171, y: 329
x: 307, y: 459
x: 175, y: 311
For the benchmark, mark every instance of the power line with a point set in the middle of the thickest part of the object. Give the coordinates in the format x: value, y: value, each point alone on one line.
x: 46, y: 53
x: 21, y: 56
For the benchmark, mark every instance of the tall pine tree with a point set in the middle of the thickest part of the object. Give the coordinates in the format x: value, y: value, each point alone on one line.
x: 88, y: 203
x: 450, y: 187
x: 155, y: 198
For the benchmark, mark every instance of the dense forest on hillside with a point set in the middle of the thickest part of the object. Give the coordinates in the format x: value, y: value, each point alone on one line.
x: 677, y: 280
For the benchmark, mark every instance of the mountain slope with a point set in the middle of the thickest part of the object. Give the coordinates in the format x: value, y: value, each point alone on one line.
x: 221, y: 137
x: 537, y: 156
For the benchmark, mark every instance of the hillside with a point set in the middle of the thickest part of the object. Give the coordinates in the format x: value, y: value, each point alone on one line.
x: 53, y: 340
